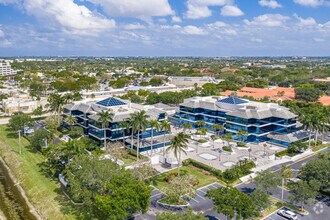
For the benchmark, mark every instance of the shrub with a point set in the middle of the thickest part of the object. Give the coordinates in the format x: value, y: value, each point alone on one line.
x: 241, y: 144
x: 217, y: 173
x: 202, y: 141
x: 169, y: 177
x: 318, y: 142
x: 242, y: 168
x: 297, y: 147
x: 227, y: 148
x: 281, y: 153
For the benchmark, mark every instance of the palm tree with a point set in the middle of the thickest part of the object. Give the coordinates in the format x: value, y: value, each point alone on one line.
x: 186, y: 126
x: 316, y: 125
x: 214, y: 138
x: 227, y: 137
x: 217, y: 128
x: 166, y: 127
x: 124, y: 125
x: 179, y: 144
x: 104, y: 118
x: 55, y: 103
x: 242, y: 134
x: 153, y: 124
x: 139, y: 124
x: 286, y: 172
x: 200, y: 124
x: 70, y: 120
x: 307, y: 122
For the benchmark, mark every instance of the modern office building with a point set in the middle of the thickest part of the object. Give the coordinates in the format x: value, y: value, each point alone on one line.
x: 264, y: 122
x: 87, y: 116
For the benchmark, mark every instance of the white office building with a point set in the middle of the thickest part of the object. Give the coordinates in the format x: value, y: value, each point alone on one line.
x: 5, y: 69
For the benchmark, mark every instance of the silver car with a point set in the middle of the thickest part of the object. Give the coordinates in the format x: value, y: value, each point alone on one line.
x: 287, y: 214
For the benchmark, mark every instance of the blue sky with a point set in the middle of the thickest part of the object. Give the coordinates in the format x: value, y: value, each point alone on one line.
x: 164, y: 27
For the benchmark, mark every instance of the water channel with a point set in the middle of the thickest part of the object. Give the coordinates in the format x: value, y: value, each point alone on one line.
x: 12, y: 205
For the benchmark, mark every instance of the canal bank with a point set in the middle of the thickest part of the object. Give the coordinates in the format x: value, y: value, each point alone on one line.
x: 14, y: 203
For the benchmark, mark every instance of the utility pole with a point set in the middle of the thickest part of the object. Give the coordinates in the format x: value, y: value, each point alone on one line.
x: 19, y: 142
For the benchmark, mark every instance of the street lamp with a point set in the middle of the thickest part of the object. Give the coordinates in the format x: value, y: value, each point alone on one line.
x: 249, y: 153
x: 265, y: 145
x: 219, y: 154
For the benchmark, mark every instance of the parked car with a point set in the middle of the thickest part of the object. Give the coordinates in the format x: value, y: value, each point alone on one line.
x: 287, y: 214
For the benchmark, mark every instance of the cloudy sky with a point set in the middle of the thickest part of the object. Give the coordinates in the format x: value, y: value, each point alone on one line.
x: 165, y: 27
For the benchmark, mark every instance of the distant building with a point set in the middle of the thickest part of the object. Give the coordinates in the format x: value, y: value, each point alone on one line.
x: 264, y: 122
x: 5, y: 69
x: 87, y: 118
x: 273, y: 93
x: 323, y: 80
x: 190, y: 81
x: 22, y: 104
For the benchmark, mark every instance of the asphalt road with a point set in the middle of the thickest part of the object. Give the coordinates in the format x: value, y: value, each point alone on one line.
x: 318, y: 210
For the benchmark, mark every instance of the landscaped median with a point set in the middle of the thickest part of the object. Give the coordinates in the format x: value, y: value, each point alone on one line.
x: 44, y: 194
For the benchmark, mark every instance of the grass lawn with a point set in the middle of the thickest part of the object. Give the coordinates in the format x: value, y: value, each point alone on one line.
x: 203, y: 178
x: 319, y: 147
x: 128, y: 160
x: 277, y: 204
x: 43, y: 193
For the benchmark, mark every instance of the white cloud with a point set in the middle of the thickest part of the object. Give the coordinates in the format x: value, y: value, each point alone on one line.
x: 217, y: 24
x: 310, y: 3
x: 270, y: 3
x: 193, y: 30
x: 200, y: 8
x: 231, y: 11
x: 73, y: 18
x: 135, y: 26
x: 176, y: 19
x: 268, y: 20
x: 305, y: 22
x: 143, y: 9
x: 318, y: 39
x: 7, y: 2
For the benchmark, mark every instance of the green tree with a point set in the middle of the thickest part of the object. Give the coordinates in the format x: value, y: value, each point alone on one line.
x: 214, y: 138
x: 230, y: 201
x: 266, y: 180
x: 124, y: 125
x: 227, y: 137
x: 40, y: 139
x: 261, y: 199
x: 209, y: 89
x: 55, y: 104
x: 17, y: 122
x: 139, y: 124
x: 179, y: 144
x: 38, y: 111
x: 286, y: 173
x: 200, y: 124
x: 154, y: 124
x: 186, y: 126
x: 105, y: 189
x: 242, y: 134
x: 217, y: 128
x: 166, y: 127
x: 70, y: 120
x: 104, y: 118
x: 308, y: 94
x: 301, y: 192
x: 318, y: 170
x: 76, y: 132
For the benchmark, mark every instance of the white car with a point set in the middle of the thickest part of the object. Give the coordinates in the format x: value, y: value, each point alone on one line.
x: 287, y: 214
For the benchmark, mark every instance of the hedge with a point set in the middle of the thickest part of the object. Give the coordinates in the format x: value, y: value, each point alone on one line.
x: 227, y: 148
x: 241, y: 144
x: 217, y: 173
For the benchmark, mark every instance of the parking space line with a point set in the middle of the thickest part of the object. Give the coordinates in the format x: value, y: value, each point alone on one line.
x: 200, y: 196
x: 156, y: 195
x: 194, y: 200
x: 202, y: 191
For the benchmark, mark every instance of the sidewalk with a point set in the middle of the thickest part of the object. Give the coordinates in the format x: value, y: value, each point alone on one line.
x: 283, y: 160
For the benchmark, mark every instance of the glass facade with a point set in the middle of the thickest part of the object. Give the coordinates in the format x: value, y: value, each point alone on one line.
x: 258, y: 129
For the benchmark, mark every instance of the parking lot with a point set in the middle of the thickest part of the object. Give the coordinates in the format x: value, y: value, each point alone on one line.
x: 200, y: 202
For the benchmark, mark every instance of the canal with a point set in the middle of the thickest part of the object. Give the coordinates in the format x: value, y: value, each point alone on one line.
x: 12, y: 205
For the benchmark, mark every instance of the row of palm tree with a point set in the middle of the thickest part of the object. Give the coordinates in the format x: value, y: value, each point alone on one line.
x: 137, y: 123
x: 315, y: 120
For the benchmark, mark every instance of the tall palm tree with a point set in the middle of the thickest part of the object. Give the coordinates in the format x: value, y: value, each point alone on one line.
x: 104, y: 118
x: 307, y: 122
x: 286, y: 172
x: 200, y: 124
x: 153, y: 124
x: 316, y: 125
x: 217, y: 128
x: 124, y: 125
x: 166, y: 127
x: 55, y: 103
x: 71, y: 120
x: 186, y: 126
x: 242, y: 134
x: 139, y: 124
x: 179, y: 144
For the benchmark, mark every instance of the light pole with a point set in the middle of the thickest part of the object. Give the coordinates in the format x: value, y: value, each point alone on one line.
x: 219, y: 154
x: 250, y: 153
x: 265, y: 145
